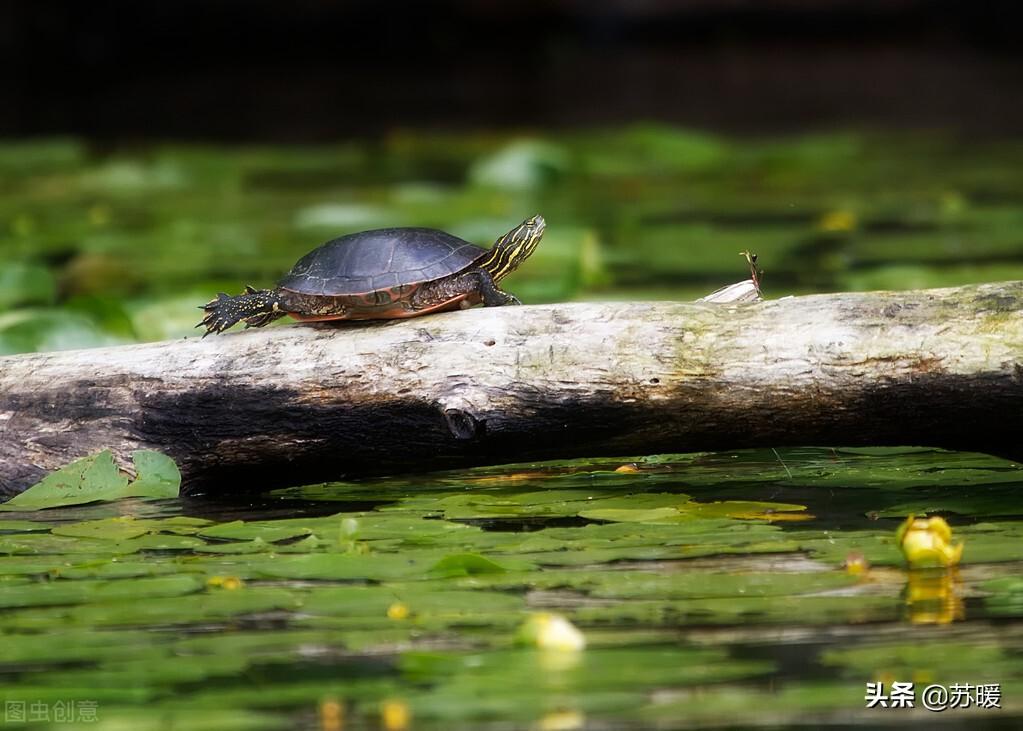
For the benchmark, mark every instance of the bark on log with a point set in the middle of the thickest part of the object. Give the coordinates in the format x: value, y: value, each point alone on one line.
x: 304, y: 403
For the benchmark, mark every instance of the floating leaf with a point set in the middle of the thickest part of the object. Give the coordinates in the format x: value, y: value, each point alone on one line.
x: 343, y: 566
x: 97, y: 478
x: 691, y: 510
x: 633, y: 515
x: 256, y: 545
x: 157, y: 475
x: 465, y: 564
x: 111, y: 529
x: 268, y: 531
x: 65, y: 591
x: 83, y: 481
x: 23, y: 526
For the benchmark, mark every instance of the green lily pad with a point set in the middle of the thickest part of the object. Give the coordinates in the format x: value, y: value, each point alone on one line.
x: 343, y: 567
x: 83, y: 481
x: 23, y: 526
x: 65, y: 591
x: 157, y: 476
x: 46, y: 543
x: 690, y: 510
x: 1005, y: 595
x: 257, y: 545
x: 174, y: 610
x: 97, y: 478
x: 267, y: 531
x: 465, y: 564
x: 112, y: 529
x: 633, y: 515
x: 988, y: 501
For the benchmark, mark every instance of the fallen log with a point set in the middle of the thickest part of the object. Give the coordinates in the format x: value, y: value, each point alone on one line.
x: 300, y: 404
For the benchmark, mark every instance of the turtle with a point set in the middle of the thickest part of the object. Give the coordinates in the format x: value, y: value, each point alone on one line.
x: 383, y: 274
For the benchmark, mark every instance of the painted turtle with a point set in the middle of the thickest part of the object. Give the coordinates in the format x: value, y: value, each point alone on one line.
x: 382, y: 274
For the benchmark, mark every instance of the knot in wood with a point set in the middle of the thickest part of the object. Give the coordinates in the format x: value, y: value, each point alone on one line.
x: 463, y: 425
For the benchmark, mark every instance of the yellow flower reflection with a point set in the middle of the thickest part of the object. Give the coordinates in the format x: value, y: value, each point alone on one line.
x: 561, y: 721
x: 933, y: 597
x: 332, y: 715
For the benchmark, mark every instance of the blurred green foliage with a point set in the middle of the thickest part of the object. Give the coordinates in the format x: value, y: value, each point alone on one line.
x: 109, y: 246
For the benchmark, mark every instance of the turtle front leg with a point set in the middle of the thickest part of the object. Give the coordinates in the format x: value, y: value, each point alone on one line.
x: 477, y: 282
x: 255, y: 307
x: 491, y: 294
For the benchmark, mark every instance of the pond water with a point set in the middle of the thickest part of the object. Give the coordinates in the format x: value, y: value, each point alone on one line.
x: 710, y: 588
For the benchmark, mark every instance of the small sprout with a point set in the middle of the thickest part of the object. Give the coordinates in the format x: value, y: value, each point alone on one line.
x: 550, y: 631
x: 225, y: 582
x: 755, y: 272
x: 398, y: 610
x: 346, y: 534
x: 856, y: 564
x: 927, y: 543
x: 395, y: 715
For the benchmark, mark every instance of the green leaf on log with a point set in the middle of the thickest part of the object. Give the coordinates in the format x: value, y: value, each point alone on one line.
x: 97, y: 478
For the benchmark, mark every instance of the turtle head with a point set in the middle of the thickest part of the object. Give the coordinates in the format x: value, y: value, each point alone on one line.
x: 514, y: 247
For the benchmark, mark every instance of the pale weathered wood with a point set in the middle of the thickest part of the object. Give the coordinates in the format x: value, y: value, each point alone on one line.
x: 259, y: 408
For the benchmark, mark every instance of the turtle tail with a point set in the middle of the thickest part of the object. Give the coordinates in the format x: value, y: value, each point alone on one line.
x: 256, y: 307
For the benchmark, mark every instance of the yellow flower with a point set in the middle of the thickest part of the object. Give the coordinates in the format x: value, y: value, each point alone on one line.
x: 550, y: 631
x: 856, y: 564
x: 927, y: 543
x: 395, y: 715
x: 397, y: 610
x: 838, y: 221
x: 225, y: 582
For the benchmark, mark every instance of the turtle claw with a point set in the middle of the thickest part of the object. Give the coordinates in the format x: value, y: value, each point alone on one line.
x: 215, y: 321
x: 255, y: 307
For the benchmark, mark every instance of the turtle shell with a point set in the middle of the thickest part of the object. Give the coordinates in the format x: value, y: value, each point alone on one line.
x: 382, y: 259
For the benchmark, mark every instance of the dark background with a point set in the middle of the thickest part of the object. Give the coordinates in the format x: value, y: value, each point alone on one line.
x: 311, y: 70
